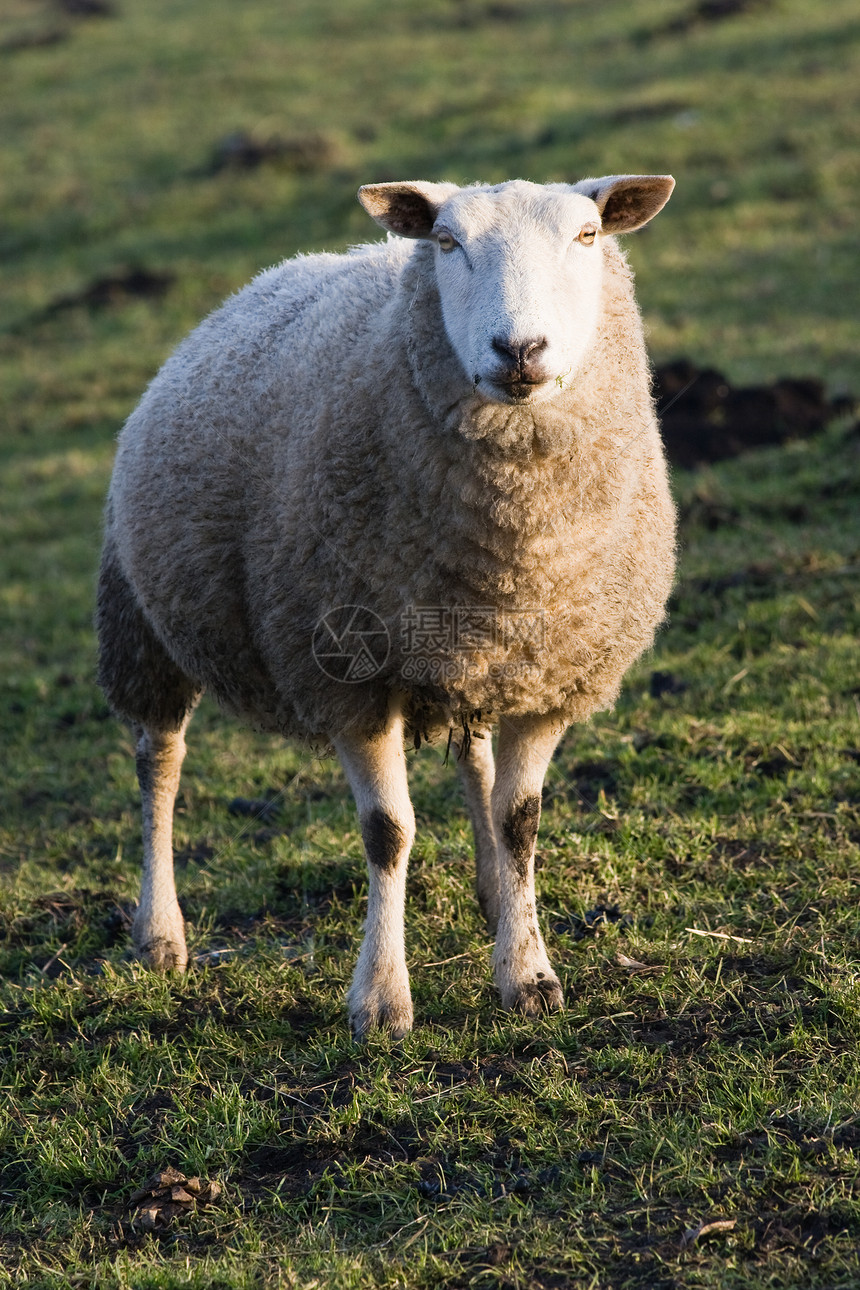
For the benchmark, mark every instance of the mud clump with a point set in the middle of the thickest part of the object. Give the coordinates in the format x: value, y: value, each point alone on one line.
x: 302, y: 154
x: 705, y: 419
x: 113, y: 289
x: 170, y: 1194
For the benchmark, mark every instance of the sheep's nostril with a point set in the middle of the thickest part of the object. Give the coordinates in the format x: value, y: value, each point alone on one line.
x: 531, y: 347
x: 505, y: 350
x: 520, y: 356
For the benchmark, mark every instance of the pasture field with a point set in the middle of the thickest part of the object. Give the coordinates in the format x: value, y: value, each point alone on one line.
x: 693, y: 1118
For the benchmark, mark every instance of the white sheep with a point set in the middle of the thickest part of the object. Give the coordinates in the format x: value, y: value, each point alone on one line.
x: 410, y: 491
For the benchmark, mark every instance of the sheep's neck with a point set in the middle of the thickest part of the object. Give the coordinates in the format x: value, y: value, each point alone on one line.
x: 522, y: 487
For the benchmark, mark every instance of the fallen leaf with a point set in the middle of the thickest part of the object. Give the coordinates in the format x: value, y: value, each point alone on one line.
x: 166, y: 1178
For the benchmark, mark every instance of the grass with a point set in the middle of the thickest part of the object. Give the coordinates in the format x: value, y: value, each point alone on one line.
x: 698, y: 849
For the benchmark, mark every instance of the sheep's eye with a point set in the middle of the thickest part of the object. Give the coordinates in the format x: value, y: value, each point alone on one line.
x: 587, y: 236
x: 445, y: 241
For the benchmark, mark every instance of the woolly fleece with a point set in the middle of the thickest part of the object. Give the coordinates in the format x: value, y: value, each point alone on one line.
x: 315, y: 443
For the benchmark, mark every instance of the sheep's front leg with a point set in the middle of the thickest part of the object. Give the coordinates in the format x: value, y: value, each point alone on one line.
x: 524, y: 976
x: 376, y: 769
x: 477, y: 773
x: 158, y: 930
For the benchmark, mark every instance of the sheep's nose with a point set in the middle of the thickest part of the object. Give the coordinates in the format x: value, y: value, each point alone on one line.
x: 522, y: 359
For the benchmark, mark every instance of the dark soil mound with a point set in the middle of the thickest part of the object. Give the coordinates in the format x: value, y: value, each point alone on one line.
x: 705, y: 419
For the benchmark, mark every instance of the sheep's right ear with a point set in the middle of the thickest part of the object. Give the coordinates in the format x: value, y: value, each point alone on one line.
x: 409, y: 210
x: 626, y: 202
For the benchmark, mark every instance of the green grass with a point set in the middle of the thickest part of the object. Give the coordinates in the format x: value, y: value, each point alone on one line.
x: 705, y: 1068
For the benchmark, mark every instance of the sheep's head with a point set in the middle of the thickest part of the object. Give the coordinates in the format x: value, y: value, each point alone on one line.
x: 519, y: 268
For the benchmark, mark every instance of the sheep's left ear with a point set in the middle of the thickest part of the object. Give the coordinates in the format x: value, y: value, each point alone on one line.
x: 626, y: 202
x: 409, y: 210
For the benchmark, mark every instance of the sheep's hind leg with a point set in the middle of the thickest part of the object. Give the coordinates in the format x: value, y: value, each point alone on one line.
x: 147, y: 689
x: 477, y: 774
x: 379, y: 996
x: 524, y: 975
x: 158, y: 930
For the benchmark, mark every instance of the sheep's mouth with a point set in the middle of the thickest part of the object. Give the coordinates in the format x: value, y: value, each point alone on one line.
x: 515, y: 391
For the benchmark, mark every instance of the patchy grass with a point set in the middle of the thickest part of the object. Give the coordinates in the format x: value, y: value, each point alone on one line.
x: 698, y: 859
x: 699, y: 845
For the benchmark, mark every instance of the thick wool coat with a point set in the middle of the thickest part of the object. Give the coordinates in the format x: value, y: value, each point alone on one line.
x: 315, y: 443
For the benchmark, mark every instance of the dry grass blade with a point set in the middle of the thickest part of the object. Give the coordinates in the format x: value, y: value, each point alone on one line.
x: 633, y: 965
x: 694, y: 1234
x: 719, y: 936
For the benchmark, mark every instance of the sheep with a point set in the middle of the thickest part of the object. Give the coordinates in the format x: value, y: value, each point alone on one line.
x: 413, y: 491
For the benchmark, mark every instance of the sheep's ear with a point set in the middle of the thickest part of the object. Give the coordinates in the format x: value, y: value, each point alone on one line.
x: 626, y: 202
x: 407, y: 209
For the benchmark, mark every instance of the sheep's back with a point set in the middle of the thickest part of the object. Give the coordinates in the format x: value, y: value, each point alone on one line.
x: 209, y: 504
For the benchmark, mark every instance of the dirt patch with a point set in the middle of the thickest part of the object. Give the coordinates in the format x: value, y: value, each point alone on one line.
x: 67, y: 915
x: 20, y: 40
x: 442, y: 1178
x: 85, y: 8
x: 67, y: 12
x: 468, y: 14
x: 115, y: 288
x: 586, y: 782
x: 663, y: 683
x: 199, y: 853
x: 702, y: 13
x: 298, y: 1167
x: 799, y: 1228
x: 593, y: 777
x: 760, y: 576
x: 591, y: 922
x: 775, y: 767
x: 684, y: 1035
x: 302, y: 154
x: 780, y: 1130
x: 773, y: 763
x: 144, y: 1124
x: 265, y: 809
x: 502, y: 1074
x: 706, y: 419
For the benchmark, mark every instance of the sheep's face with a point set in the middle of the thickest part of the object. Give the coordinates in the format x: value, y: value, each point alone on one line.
x: 519, y: 269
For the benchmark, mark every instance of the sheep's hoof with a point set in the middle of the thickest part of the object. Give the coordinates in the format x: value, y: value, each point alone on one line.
x: 396, y: 1018
x: 534, y: 998
x: 162, y: 955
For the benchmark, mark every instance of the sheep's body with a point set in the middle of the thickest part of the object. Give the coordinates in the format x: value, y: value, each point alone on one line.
x: 316, y: 443
x: 264, y: 481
